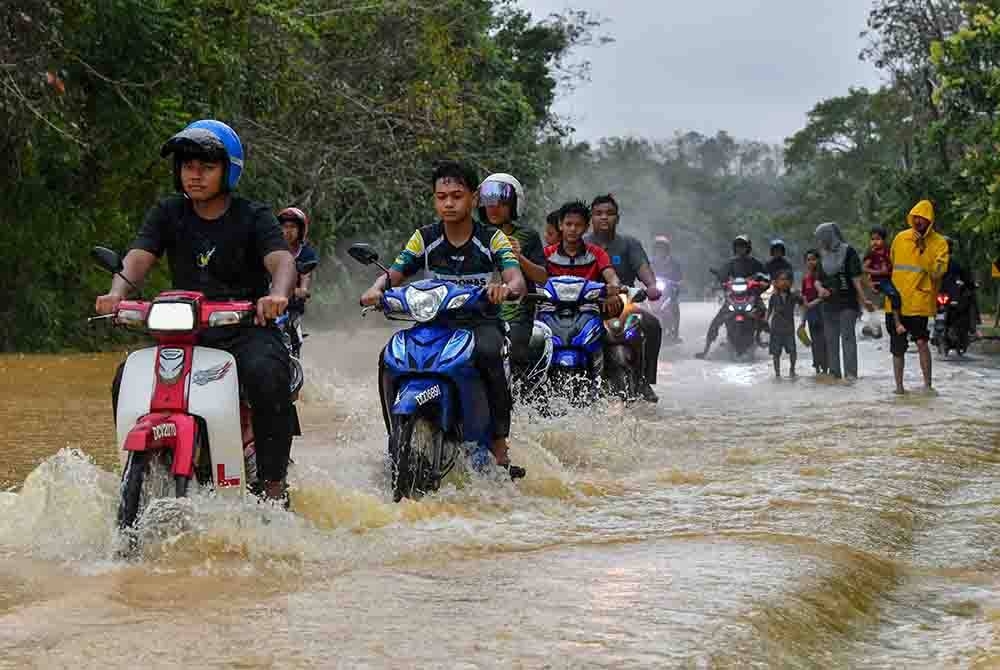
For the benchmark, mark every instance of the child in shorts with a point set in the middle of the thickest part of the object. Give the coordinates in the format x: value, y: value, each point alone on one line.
x: 781, y: 317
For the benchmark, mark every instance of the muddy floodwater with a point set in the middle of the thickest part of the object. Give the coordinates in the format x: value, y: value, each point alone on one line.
x: 742, y: 522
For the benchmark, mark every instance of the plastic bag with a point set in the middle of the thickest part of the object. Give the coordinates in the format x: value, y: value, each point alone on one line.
x: 871, y: 325
x: 803, y: 334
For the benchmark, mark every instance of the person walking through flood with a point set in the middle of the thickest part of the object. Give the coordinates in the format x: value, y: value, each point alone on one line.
x: 840, y: 287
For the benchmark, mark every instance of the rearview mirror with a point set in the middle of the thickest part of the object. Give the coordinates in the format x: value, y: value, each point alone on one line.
x: 305, y: 267
x: 107, y: 259
x: 363, y: 253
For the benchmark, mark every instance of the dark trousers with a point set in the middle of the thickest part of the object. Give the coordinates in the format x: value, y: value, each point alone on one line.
x: 262, y: 364
x: 653, y: 332
x: 488, y: 359
x: 520, y: 340
x: 818, y: 337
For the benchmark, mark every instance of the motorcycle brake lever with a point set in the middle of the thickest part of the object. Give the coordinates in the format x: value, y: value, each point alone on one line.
x: 102, y: 317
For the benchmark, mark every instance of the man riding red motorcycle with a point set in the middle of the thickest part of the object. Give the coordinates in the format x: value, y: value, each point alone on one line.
x: 224, y: 247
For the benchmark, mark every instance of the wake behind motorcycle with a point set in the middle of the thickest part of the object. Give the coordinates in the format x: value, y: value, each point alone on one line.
x: 433, y: 396
x: 180, y: 416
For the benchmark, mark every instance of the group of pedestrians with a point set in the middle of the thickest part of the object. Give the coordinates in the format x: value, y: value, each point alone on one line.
x: 837, y: 284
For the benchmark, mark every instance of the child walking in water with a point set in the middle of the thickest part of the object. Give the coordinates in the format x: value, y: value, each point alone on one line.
x: 781, y: 317
x: 811, y: 315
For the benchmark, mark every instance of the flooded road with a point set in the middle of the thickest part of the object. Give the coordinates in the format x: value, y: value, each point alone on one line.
x: 742, y: 522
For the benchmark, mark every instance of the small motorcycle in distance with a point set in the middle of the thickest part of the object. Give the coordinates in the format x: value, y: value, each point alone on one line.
x: 953, y: 321
x: 433, y: 396
x: 180, y: 415
x: 669, y: 308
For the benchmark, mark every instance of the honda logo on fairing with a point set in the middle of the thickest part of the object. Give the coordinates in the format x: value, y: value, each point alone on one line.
x: 425, y: 397
x: 212, y: 374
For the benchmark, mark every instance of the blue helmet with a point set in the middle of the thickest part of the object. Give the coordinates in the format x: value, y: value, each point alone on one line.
x: 207, y: 139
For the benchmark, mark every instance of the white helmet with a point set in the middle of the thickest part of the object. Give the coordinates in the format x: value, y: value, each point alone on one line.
x: 502, y: 187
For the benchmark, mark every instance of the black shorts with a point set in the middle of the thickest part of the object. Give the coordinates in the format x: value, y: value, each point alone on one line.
x: 916, y: 328
x: 782, y: 342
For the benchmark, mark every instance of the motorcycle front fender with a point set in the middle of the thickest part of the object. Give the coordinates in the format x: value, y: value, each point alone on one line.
x: 416, y: 394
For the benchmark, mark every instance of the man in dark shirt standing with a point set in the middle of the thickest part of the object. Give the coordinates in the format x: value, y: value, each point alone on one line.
x: 630, y: 262
x: 226, y: 247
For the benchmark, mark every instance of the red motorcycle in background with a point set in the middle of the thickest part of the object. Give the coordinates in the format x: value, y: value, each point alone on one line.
x: 746, y: 311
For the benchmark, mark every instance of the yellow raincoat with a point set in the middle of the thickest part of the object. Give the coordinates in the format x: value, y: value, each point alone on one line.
x: 918, y: 264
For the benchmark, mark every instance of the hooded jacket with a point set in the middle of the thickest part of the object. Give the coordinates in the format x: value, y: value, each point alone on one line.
x: 918, y: 264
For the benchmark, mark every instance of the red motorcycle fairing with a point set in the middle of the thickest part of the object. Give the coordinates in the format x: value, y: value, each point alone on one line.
x: 177, y: 432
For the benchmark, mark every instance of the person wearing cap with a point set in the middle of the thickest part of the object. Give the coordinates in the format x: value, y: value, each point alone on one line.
x: 228, y: 248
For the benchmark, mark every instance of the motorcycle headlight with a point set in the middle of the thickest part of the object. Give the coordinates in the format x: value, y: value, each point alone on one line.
x: 171, y: 316
x: 739, y: 288
x: 731, y: 308
x: 568, y: 291
x: 458, y: 301
x: 424, y: 305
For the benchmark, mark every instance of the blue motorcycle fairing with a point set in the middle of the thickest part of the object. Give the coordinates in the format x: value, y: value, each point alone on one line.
x: 589, y: 336
x: 434, y: 353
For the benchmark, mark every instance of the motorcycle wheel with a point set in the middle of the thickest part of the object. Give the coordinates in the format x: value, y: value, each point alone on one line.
x: 147, y: 477
x: 414, y: 444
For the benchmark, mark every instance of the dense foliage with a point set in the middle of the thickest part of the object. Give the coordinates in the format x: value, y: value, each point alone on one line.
x: 930, y: 132
x: 343, y: 106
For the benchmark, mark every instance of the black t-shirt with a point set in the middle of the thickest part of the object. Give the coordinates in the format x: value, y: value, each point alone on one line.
x: 742, y: 266
x: 224, y: 258
x: 627, y: 255
x: 841, y: 284
x: 781, y: 312
x: 775, y: 265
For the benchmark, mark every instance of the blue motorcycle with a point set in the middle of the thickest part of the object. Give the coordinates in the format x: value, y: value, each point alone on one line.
x: 439, y: 402
x: 571, y: 309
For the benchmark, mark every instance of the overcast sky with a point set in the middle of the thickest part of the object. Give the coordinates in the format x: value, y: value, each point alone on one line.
x: 751, y: 67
